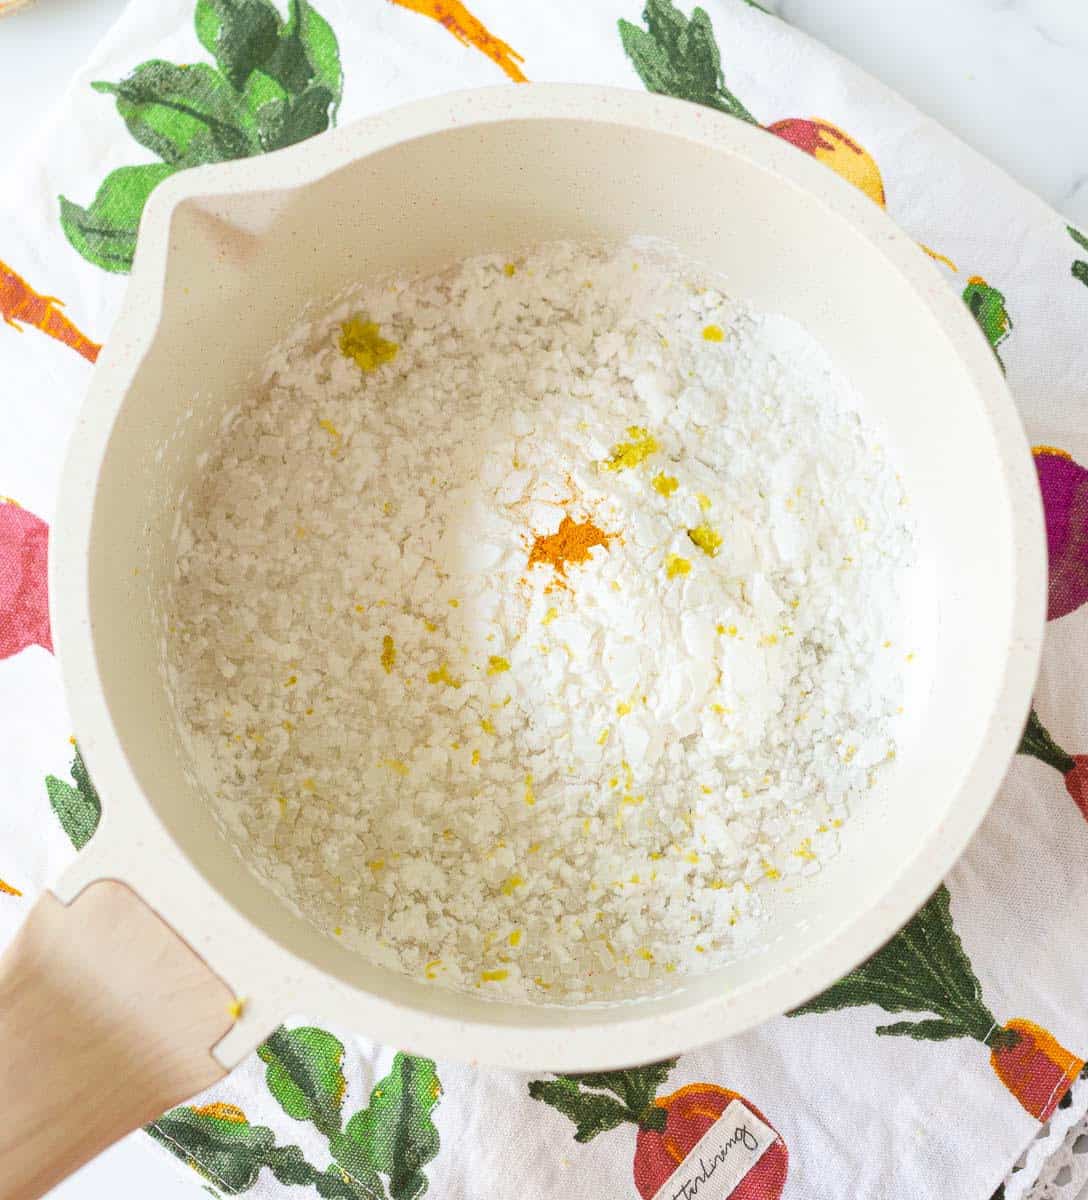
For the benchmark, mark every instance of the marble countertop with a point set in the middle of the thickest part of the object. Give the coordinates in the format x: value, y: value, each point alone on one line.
x: 1010, y: 77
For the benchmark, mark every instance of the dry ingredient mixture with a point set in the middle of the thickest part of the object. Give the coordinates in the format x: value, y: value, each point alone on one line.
x: 537, y: 617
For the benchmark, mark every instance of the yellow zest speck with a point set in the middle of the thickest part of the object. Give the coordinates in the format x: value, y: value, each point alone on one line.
x: 700, y: 949
x: 496, y: 664
x: 282, y: 802
x: 362, y: 341
x: 708, y: 540
x: 615, y: 585
x: 454, y: 603
x: 475, y: 758
x: 643, y: 953
x: 692, y: 856
x: 713, y: 333
x: 633, y: 800
x: 604, y: 737
x: 664, y: 484
x: 836, y: 823
x: 291, y: 681
x: 887, y: 645
x: 338, y: 931
x: 656, y: 855
x: 910, y: 657
x: 769, y: 639
x: 442, y: 675
x: 395, y: 764
x: 515, y: 937
x: 236, y: 1007
x: 494, y: 976
x: 704, y: 501
x: 676, y: 565
x: 389, y: 654
x: 629, y: 454
x: 707, y: 791
x: 510, y: 885
x: 533, y: 848
x: 308, y: 785
x: 309, y: 712
x: 860, y: 524
x: 430, y: 626
x: 376, y: 864
x: 848, y: 753
x: 804, y: 850
x: 509, y: 269
x: 488, y: 726
x: 530, y: 797
x: 539, y: 981
x: 300, y: 531
x: 550, y: 616
x: 823, y: 827
x: 771, y: 872
x: 331, y: 430
x: 622, y: 709
x: 585, y: 825
x: 429, y: 969
x: 716, y: 885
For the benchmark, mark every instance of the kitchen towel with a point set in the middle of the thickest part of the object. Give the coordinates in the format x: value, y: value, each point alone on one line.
x: 921, y: 1076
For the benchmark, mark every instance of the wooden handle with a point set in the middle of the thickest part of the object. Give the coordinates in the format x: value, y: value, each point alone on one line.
x: 107, y: 1019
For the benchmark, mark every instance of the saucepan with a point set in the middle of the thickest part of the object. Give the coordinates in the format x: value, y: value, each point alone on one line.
x: 158, y: 961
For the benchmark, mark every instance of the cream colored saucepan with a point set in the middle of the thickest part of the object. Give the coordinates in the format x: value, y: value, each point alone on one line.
x: 116, y: 1000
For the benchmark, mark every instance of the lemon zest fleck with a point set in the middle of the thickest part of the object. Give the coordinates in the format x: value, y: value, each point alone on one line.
x: 676, y: 565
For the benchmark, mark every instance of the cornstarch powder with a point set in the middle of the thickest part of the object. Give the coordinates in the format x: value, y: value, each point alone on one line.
x: 535, y: 618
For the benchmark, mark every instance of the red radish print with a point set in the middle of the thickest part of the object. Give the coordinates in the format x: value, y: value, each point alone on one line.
x: 690, y: 1112
x: 1037, y: 742
x: 839, y: 151
x: 924, y: 971
x: 679, y: 56
x: 20, y: 303
x: 1033, y: 1066
x: 1064, y: 484
x: 669, y: 1127
x: 24, y: 599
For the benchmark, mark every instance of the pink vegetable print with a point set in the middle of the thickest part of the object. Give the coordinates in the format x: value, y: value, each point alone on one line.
x: 24, y: 598
x: 1064, y: 484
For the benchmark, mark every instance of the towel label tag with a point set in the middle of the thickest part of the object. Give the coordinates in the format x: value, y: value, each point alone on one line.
x: 721, y: 1158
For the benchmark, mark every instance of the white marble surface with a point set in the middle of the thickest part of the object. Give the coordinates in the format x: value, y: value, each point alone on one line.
x: 1010, y: 77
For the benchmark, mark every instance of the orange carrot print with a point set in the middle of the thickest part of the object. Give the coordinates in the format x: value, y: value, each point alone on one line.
x: 469, y: 31
x: 7, y: 890
x: 925, y: 973
x: 21, y: 305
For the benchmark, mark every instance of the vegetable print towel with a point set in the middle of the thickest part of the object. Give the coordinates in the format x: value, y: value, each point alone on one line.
x: 923, y: 1074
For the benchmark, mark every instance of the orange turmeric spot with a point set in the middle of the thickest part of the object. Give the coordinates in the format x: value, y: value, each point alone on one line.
x: 571, y: 543
x: 1053, y: 451
x: 8, y: 890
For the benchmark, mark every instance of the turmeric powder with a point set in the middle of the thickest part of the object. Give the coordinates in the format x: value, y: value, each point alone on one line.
x: 571, y: 543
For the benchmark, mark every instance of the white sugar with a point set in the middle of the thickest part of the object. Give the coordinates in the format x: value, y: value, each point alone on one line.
x: 556, y: 784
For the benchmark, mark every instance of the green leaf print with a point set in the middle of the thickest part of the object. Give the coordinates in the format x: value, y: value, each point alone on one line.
x: 305, y: 1074
x: 678, y: 56
x: 592, y: 1113
x: 275, y: 82
x: 241, y: 35
x: 394, y: 1134
x: 105, y: 232
x: 636, y: 1087
x: 923, y: 969
x: 185, y: 115
x: 221, y: 1145
x: 987, y: 306
x: 1080, y: 267
x: 78, y: 808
